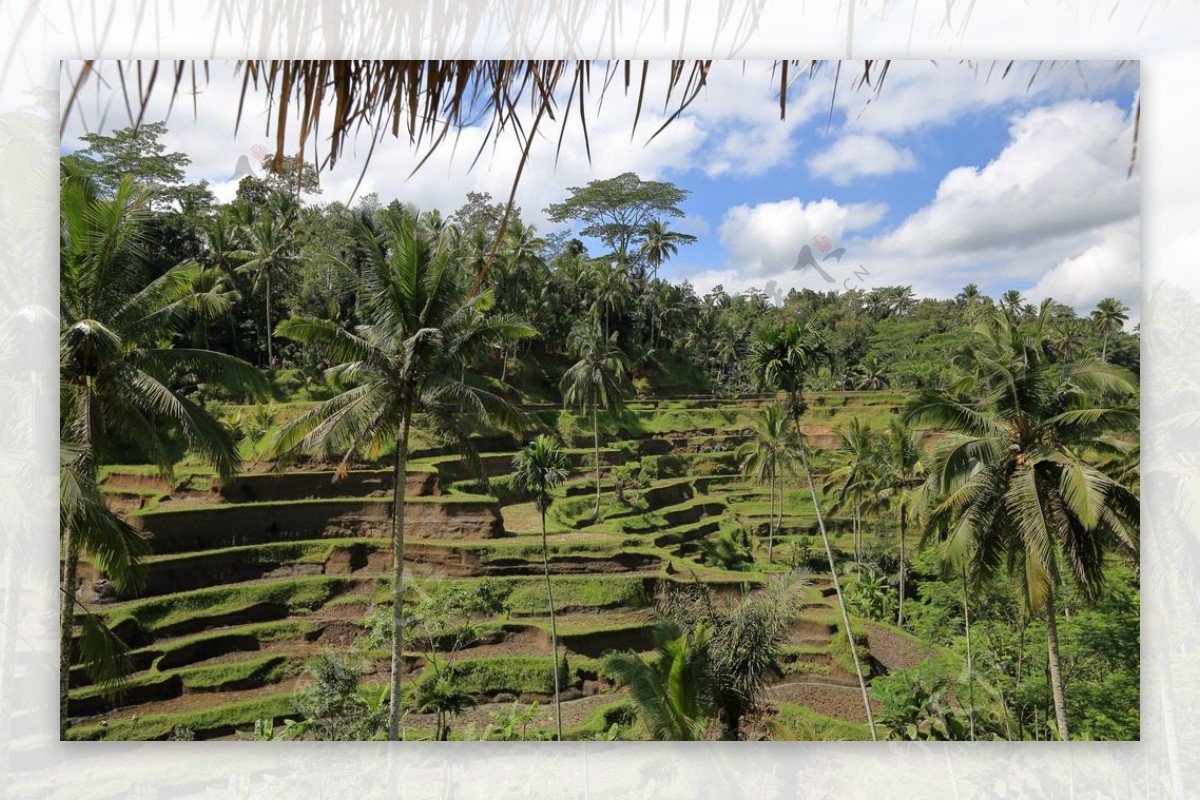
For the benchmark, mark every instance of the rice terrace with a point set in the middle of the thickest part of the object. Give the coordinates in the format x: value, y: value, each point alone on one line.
x: 434, y: 465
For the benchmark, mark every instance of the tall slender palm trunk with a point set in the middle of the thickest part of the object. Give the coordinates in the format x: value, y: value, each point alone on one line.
x: 1054, y: 661
x: 903, y: 564
x: 66, y: 632
x: 837, y: 587
x: 771, y: 522
x: 858, y: 532
x: 399, y: 488
x: 70, y: 568
x: 553, y: 625
x: 596, y: 443
x: 970, y: 661
x: 270, y: 353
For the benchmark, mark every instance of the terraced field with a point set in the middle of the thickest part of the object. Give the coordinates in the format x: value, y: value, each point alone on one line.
x: 251, y: 578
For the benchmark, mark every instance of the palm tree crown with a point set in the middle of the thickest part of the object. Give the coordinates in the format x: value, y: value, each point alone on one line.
x: 421, y: 327
x: 597, y: 381
x: 1012, y: 485
x: 539, y: 467
x: 119, y: 379
x: 1109, y: 316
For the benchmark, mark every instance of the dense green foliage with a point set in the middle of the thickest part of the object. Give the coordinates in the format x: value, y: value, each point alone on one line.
x: 660, y: 455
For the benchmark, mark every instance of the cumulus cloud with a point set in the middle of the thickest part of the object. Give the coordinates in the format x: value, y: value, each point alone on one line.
x: 919, y: 95
x: 1109, y: 268
x: 854, y: 155
x: 764, y: 239
x: 733, y: 128
x: 1063, y: 172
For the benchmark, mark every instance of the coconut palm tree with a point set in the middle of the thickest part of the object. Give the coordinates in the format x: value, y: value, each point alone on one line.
x: 1013, y: 486
x: 671, y: 691
x: 272, y: 251
x: 871, y: 374
x: 661, y: 244
x: 783, y: 358
x: 597, y: 381
x: 1109, y: 316
x: 610, y: 284
x: 117, y: 380
x: 421, y: 326
x: 538, y: 468
x: 898, y: 474
x: 852, y: 477
x: 1011, y: 302
x: 769, y: 454
x: 211, y: 297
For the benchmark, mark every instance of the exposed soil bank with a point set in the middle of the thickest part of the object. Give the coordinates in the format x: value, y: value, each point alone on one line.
x: 208, y: 528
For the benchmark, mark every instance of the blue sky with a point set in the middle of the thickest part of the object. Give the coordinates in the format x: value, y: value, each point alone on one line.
x: 941, y: 176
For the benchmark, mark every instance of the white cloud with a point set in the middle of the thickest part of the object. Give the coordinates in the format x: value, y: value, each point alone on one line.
x: 854, y: 155
x: 1062, y: 173
x: 1110, y: 268
x: 732, y: 128
x: 764, y: 239
x: 917, y: 95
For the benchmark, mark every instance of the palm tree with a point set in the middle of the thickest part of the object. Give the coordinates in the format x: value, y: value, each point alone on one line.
x: 421, y: 326
x: 767, y: 456
x: 1109, y: 316
x: 661, y: 244
x: 272, y: 251
x: 211, y: 297
x: 1011, y: 302
x: 971, y: 298
x: 597, y: 381
x: 443, y: 697
x: 745, y: 640
x: 520, y: 276
x: 538, y: 468
x: 853, y: 475
x: 610, y: 282
x: 871, y: 374
x: 898, y: 474
x: 671, y: 691
x: 782, y: 359
x: 116, y: 378
x: 1011, y: 484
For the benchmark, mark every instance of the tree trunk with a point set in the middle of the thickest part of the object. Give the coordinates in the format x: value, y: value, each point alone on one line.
x: 903, y: 568
x: 837, y: 586
x: 1104, y: 348
x: 70, y: 554
x: 771, y: 520
x: 596, y: 442
x: 67, y: 624
x: 270, y: 353
x: 858, y: 532
x: 1054, y: 661
x: 399, y: 478
x: 970, y: 663
x: 553, y: 625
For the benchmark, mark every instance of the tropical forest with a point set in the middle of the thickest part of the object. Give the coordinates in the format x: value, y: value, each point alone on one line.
x: 395, y: 472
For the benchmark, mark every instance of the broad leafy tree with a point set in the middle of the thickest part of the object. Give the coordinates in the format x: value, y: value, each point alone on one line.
x: 618, y: 210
